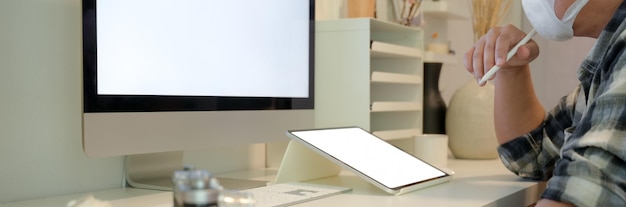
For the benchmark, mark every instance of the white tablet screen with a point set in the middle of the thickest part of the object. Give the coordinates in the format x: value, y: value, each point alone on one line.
x: 370, y: 155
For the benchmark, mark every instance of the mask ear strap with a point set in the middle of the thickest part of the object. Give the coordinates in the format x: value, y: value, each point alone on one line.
x: 573, y: 10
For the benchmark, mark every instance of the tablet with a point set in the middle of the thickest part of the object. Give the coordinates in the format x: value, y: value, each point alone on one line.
x: 375, y: 160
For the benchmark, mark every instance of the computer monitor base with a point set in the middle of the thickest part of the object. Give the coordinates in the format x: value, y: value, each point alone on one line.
x: 153, y: 171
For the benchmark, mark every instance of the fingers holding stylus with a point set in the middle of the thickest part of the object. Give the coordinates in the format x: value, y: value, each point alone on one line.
x: 493, y: 49
x: 511, y: 37
x: 480, y: 58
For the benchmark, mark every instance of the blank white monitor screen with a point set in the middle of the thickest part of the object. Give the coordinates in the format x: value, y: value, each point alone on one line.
x: 203, y: 48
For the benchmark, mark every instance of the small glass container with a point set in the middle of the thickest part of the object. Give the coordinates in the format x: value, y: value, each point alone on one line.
x: 197, y: 188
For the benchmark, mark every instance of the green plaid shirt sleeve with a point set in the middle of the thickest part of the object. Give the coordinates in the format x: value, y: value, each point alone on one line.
x: 580, y: 149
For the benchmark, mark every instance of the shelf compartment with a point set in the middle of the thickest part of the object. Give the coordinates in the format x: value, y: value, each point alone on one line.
x: 387, y: 50
x: 384, y: 77
x: 381, y: 106
x: 443, y: 9
x: 397, y: 134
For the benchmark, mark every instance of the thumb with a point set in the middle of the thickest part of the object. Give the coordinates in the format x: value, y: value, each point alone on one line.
x: 522, y: 57
x: 523, y: 53
x: 527, y: 53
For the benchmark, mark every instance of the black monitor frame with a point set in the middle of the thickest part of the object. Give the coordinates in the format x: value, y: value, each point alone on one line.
x: 94, y: 102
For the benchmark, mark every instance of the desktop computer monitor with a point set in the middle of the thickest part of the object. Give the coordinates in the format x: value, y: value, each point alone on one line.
x: 170, y: 75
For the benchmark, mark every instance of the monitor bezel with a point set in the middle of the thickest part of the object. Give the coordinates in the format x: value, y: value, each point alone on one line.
x: 95, y: 103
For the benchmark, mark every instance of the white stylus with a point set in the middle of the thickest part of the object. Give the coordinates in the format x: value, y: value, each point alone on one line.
x: 511, y: 53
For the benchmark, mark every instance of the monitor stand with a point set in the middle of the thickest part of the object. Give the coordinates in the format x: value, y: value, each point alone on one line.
x: 302, y: 164
x: 154, y: 171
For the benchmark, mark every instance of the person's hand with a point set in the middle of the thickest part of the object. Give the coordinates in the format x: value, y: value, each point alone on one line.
x: 551, y: 203
x: 492, y: 48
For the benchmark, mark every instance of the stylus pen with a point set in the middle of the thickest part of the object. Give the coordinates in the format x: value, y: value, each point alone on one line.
x: 511, y: 53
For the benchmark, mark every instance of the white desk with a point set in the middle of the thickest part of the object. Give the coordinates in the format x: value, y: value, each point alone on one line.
x: 476, y: 183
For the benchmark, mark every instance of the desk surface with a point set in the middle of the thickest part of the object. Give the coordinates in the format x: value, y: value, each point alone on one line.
x: 476, y: 183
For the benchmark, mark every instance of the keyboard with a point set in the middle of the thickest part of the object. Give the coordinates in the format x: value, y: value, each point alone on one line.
x: 286, y: 194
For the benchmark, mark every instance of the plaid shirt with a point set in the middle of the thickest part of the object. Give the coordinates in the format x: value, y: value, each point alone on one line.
x: 580, y: 148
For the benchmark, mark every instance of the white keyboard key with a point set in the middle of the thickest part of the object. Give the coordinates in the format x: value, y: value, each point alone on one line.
x: 286, y: 194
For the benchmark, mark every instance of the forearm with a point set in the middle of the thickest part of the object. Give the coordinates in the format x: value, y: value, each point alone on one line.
x: 551, y: 203
x: 517, y: 109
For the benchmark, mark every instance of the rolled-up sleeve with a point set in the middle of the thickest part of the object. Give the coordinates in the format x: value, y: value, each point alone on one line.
x: 534, y: 154
x: 579, y: 149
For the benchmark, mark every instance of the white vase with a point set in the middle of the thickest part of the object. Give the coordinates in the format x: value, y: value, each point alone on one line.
x: 470, y: 122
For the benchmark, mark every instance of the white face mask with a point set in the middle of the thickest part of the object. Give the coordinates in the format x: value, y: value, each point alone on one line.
x: 541, y: 15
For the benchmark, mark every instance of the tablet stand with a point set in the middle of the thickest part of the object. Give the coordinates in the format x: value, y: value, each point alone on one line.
x: 302, y: 164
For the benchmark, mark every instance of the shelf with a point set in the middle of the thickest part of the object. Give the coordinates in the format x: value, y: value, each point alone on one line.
x: 370, y: 24
x: 443, y: 9
x: 397, y: 134
x: 386, y: 26
x: 395, y: 106
x: 431, y: 57
x: 383, y: 64
x: 383, y: 77
x: 386, y: 50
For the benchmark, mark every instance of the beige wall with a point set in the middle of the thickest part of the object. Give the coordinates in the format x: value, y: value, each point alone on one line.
x: 554, y: 71
x: 40, y: 104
